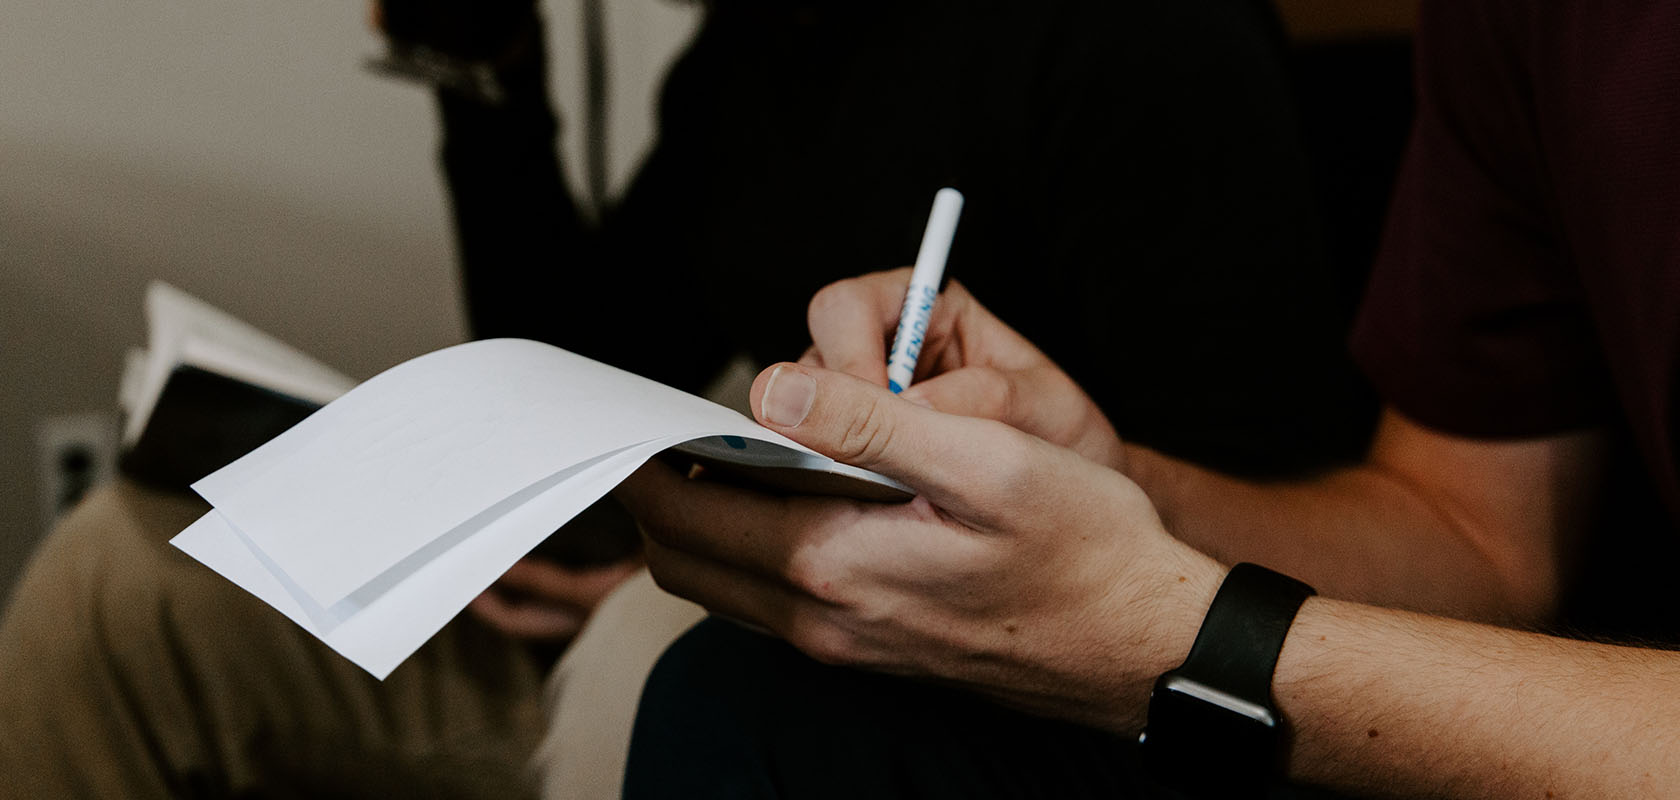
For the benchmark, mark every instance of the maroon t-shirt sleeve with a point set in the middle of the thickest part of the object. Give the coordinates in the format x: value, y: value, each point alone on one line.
x: 1474, y: 321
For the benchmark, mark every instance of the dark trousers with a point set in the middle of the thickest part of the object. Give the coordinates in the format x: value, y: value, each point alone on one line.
x: 728, y: 713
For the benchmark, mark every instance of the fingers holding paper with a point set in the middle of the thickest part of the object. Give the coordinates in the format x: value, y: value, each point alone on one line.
x: 542, y: 601
x: 1022, y: 570
x: 971, y: 363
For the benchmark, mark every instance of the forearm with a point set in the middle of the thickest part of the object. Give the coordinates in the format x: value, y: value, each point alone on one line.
x: 1355, y: 533
x: 1390, y: 703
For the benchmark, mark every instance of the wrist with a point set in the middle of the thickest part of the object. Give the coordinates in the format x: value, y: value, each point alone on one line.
x: 1172, y: 610
x: 1219, y: 702
x: 1190, y: 592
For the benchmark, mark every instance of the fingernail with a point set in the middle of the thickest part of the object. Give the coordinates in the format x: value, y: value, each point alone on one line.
x: 787, y: 397
x: 915, y: 397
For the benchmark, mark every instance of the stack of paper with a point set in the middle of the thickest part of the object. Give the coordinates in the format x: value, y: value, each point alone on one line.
x: 375, y: 520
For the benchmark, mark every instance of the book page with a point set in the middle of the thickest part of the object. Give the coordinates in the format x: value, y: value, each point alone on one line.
x: 185, y: 330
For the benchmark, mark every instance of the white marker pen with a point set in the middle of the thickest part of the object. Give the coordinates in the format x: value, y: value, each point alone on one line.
x: 924, y: 287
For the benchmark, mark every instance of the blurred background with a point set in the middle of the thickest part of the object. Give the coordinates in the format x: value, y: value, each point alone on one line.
x: 240, y: 151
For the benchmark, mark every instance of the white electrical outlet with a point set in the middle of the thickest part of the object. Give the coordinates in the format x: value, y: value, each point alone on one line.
x: 75, y: 452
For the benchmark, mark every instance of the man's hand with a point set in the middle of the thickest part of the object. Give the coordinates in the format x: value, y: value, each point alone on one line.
x: 1022, y: 570
x: 543, y: 602
x: 971, y: 363
x: 1473, y: 528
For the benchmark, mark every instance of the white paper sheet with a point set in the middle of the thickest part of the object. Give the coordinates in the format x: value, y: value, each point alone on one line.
x: 386, y: 621
x: 415, y: 452
x: 375, y: 521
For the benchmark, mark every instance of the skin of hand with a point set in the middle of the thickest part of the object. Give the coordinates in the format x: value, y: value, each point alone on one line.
x: 971, y: 363
x: 1447, y: 524
x: 538, y: 600
x: 1022, y: 570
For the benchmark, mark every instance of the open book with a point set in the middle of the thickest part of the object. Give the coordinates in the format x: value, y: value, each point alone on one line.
x: 210, y: 388
x: 376, y: 520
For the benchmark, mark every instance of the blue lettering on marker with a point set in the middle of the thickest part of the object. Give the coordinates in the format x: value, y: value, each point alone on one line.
x: 911, y: 334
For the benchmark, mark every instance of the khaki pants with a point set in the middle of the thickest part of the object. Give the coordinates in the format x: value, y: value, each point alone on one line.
x: 128, y: 670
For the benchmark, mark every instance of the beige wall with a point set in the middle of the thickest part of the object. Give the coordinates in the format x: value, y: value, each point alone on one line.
x: 236, y: 149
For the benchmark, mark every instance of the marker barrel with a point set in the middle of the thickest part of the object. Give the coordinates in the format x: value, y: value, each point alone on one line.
x: 924, y: 288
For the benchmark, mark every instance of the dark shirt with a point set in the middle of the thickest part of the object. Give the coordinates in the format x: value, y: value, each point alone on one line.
x: 1529, y: 283
x: 1136, y: 204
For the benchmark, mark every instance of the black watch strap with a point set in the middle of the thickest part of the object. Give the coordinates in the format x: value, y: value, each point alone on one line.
x: 1213, y: 729
x: 1238, y: 645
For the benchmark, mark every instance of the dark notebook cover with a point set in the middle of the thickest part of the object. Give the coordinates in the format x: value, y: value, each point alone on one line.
x: 202, y: 421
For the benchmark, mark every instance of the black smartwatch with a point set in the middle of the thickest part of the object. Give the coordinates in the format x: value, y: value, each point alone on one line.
x: 1213, y: 729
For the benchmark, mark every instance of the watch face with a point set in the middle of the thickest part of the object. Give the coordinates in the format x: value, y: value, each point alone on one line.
x: 1201, y: 733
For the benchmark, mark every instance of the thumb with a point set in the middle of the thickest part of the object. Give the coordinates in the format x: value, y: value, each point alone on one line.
x: 942, y: 456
